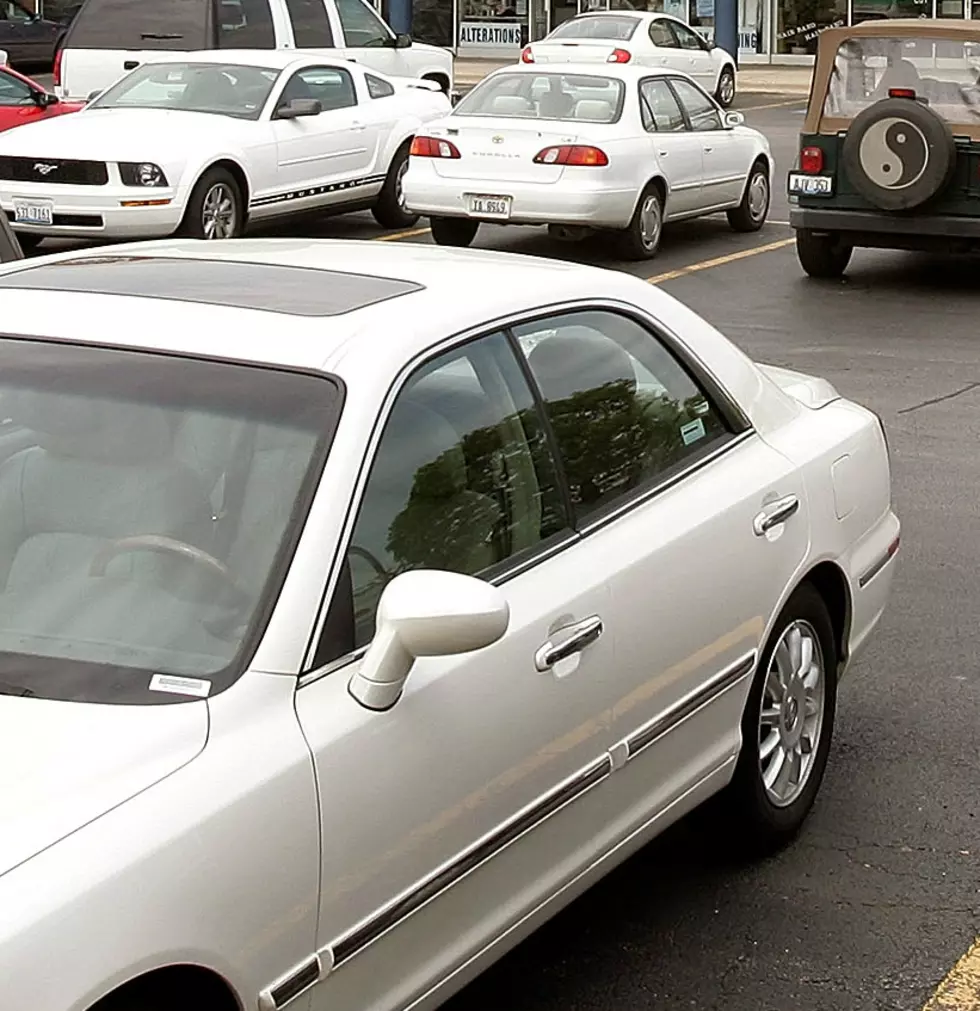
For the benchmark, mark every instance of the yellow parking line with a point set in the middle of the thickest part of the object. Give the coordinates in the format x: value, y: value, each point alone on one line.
x: 960, y: 990
x: 394, y: 236
x: 719, y: 261
x: 775, y: 105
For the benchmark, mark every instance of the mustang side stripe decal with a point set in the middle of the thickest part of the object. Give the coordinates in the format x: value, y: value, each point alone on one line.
x: 316, y: 191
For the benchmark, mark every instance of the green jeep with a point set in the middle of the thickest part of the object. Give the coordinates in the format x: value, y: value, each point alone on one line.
x: 890, y: 148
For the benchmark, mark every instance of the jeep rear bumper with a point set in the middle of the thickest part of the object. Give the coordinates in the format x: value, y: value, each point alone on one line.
x: 891, y: 231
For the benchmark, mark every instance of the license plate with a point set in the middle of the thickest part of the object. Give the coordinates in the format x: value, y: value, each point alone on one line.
x: 34, y: 212
x: 811, y: 186
x: 487, y: 206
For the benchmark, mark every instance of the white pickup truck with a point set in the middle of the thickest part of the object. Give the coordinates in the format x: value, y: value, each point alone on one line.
x: 108, y: 38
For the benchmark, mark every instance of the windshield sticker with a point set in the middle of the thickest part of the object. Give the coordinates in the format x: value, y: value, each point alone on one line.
x: 180, y: 686
x: 692, y: 431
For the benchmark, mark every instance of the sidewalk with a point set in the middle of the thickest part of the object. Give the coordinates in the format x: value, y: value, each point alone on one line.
x: 752, y: 78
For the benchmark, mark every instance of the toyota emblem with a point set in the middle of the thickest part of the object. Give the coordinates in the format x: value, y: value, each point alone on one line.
x: 498, y: 139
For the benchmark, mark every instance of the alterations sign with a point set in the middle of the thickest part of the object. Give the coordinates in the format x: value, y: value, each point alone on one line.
x: 490, y: 35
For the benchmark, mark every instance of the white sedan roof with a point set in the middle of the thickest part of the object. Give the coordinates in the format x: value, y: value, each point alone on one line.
x: 295, y: 302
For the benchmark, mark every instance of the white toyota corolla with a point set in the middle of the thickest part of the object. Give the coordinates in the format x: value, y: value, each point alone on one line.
x: 206, y: 142
x: 585, y: 147
x: 349, y: 628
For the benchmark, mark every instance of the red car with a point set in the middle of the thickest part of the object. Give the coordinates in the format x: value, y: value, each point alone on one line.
x: 25, y: 101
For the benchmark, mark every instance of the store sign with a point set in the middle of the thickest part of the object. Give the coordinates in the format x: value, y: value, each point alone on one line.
x: 489, y: 35
x: 748, y: 40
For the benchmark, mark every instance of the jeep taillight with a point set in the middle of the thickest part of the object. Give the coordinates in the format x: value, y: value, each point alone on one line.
x: 811, y: 160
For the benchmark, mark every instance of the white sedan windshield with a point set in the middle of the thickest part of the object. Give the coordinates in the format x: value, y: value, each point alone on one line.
x: 575, y: 98
x: 217, y: 88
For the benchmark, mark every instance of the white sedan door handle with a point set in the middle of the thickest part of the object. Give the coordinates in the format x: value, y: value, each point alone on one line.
x: 708, y: 149
x: 357, y: 125
x: 773, y: 515
x: 582, y: 635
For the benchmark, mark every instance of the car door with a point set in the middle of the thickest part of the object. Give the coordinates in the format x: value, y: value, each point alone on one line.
x: 676, y: 148
x: 326, y: 158
x: 366, y: 39
x: 724, y: 157
x: 666, y: 51
x: 453, y: 814
x: 693, y: 56
x: 667, y: 476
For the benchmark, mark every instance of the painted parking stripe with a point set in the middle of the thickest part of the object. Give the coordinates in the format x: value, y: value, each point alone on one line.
x: 960, y: 990
x: 395, y: 236
x: 719, y: 261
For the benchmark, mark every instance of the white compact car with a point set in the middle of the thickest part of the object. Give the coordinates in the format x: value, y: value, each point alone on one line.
x: 651, y: 40
x: 203, y: 144
x: 584, y: 147
x: 108, y: 38
x: 350, y: 628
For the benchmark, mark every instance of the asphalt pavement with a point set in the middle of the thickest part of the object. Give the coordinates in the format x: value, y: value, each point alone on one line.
x: 881, y: 894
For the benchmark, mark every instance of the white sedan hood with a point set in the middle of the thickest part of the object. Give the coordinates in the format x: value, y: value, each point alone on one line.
x: 63, y: 764
x: 124, y: 135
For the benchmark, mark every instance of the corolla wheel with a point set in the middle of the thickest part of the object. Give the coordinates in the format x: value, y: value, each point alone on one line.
x: 219, y: 216
x: 898, y: 154
x: 726, y: 88
x: 751, y: 213
x: 640, y: 240
x: 787, y: 727
x: 651, y: 221
x: 791, y: 714
x: 390, y: 210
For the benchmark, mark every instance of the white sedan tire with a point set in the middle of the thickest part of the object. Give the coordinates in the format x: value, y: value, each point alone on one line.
x: 725, y: 92
x: 453, y: 231
x: 751, y: 213
x: 640, y: 240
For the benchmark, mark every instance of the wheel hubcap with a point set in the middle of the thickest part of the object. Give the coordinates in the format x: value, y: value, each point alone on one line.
x: 758, y: 196
x: 791, y: 716
x: 727, y: 88
x: 650, y: 222
x: 219, y: 217
x: 399, y: 188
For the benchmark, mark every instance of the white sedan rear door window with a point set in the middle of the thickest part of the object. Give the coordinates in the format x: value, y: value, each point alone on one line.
x: 659, y: 106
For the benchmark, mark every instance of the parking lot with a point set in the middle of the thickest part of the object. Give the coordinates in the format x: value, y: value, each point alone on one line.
x: 881, y: 895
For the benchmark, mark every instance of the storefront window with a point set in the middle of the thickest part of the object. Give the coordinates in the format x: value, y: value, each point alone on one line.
x: 879, y: 10
x: 800, y: 22
x: 751, y: 26
x: 949, y: 9
x: 433, y: 22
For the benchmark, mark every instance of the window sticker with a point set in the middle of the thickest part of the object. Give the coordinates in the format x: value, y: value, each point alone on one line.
x: 179, y: 685
x: 692, y: 431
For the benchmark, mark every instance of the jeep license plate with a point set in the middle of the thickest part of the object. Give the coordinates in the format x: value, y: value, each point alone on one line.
x: 811, y: 186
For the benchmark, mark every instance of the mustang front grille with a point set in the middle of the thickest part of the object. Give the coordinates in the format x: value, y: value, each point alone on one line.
x: 54, y: 170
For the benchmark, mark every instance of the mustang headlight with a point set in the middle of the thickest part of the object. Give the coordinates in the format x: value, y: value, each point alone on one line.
x: 142, y: 173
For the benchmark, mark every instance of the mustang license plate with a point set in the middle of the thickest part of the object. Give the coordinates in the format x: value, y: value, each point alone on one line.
x: 811, y: 186
x: 34, y: 212
x: 484, y: 205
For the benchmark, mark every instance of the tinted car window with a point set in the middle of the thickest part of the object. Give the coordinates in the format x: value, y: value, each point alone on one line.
x: 554, y: 96
x: 625, y: 413
x: 332, y: 88
x: 701, y: 111
x: 659, y: 107
x: 462, y: 480
x: 378, y: 88
x: 9, y: 11
x: 362, y: 27
x: 619, y: 29
x: 686, y: 37
x: 662, y: 36
x: 140, y: 24
x: 245, y: 24
x: 13, y: 91
x: 311, y: 27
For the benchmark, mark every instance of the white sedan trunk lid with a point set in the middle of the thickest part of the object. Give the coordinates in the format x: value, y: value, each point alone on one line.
x: 575, y: 51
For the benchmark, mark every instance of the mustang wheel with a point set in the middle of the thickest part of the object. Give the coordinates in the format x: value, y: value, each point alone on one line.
x: 751, y: 213
x: 898, y: 154
x: 216, y: 208
x: 640, y: 240
x: 389, y: 211
x: 786, y: 729
x: 822, y: 255
x: 453, y: 231
x: 725, y: 94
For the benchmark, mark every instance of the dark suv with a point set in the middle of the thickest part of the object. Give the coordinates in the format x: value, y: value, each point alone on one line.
x: 890, y: 149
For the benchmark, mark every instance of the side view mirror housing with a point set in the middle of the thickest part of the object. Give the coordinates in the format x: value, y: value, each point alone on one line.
x: 733, y: 119
x: 92, y: 96
x: 426, y: 613
x: 298, y: 108
x: 44, y: 99
x: 402, y: 41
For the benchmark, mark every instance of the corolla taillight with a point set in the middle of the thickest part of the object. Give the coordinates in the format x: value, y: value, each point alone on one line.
x: 434, y: 147
x: 572, y: 154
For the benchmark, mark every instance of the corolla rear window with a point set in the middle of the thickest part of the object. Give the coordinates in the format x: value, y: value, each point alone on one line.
x: 942, y: 72
x: 141, y: 24
x: 573, y: 98
x: 620, y: 29
x: 222, y: 89
x: 149, y: 506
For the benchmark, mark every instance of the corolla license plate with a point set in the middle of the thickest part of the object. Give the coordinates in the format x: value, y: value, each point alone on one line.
x: 485, y: 205
x: 811, y: 186
x: 34, y: 212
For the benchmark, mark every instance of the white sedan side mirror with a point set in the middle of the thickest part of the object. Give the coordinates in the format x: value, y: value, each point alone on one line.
x: 733, y: 119
x: 426, y: 613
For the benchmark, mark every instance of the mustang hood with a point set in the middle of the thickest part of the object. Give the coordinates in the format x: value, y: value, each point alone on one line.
x: 112, y: 135
x: 63, y: 764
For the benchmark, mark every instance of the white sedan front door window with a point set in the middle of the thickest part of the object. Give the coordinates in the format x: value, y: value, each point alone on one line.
x: 321, y: 157
x: 653, y: 443
x: 695, y: 58
x: 369, y: 40
x: 676, y: 147
x: 479, y: 793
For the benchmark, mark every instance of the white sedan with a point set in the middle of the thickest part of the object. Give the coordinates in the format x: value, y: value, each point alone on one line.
x: 203, y: 143
x: 362, y: 604
x: 651, y: 40
x: 584, y: 147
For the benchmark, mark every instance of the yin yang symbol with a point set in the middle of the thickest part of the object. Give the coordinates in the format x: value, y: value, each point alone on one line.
x: 893, y: 153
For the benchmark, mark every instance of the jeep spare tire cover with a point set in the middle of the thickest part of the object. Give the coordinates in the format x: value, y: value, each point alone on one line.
x: 898, y: 154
